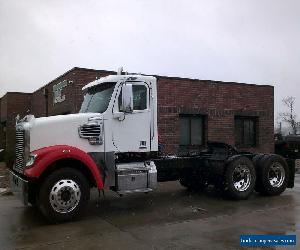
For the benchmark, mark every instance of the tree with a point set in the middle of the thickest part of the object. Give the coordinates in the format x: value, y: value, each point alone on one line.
x: 290, y: 116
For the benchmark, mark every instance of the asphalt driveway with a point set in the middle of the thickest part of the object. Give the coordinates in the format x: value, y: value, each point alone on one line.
x: 170, y: 218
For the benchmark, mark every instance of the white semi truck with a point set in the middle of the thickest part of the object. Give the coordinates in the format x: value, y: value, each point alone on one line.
x: 113, y: 143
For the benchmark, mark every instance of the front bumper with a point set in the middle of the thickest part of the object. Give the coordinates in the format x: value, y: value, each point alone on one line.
x: 19, y: 187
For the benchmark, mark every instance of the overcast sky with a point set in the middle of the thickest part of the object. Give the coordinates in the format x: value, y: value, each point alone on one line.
x: 254, y: 41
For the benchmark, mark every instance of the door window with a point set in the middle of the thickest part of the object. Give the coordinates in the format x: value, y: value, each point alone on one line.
x: 139, y: 97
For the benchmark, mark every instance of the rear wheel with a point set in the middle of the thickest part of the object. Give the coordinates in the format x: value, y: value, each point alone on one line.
x: 273, y: 175
x: 240, y: 178
x: 63, y: 195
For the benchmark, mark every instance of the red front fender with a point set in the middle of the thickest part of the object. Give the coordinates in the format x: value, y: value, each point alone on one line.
x: 48, y: 155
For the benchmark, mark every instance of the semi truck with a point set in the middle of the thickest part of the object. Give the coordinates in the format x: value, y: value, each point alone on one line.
x: 113, y: 143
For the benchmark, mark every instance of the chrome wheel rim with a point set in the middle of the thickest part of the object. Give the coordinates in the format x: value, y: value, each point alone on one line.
x: 241, y: 178
x: 65, y: 196
x: 276, y: 175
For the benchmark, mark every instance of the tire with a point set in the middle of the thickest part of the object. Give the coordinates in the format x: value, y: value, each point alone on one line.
x: 273, y: 175
x: 257, y: 159
x: 240, y: 177
x: 63, y: 195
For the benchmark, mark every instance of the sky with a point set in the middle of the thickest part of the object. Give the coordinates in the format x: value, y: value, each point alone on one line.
x: 250, y: 41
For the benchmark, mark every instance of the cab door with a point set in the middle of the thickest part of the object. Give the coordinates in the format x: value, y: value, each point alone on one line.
x: 131, y: 131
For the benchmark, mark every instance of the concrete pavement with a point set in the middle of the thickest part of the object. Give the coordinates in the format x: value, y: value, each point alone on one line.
x: 170, y: 218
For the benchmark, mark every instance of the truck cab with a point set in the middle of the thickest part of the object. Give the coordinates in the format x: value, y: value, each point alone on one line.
x: 108, y: 144
x: 128, y: 127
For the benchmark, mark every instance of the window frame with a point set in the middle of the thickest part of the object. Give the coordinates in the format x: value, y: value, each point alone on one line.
x: 242, y: 141
x: 134, y: 83
x: 98, y: 86
x: 190, y: 116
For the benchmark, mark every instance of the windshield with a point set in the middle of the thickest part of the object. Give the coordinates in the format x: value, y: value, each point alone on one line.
x: 97, y: 98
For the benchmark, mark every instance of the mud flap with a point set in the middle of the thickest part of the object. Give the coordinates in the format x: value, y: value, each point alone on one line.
x: 291, y: 164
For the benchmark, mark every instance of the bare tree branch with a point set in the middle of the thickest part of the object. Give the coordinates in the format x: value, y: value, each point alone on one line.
x: 290, y: 117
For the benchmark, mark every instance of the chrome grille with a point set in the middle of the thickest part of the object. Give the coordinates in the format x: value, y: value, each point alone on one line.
x: 20, y: 150
x: 88, y: 131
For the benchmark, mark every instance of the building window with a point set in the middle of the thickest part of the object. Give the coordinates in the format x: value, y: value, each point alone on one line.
x: 191, y: 130
x: 245, y: 131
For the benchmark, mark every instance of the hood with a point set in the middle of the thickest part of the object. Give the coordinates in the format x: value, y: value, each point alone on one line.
x: 59, y: 130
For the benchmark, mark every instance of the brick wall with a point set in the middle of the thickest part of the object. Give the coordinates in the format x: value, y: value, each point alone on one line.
x: 2, y: 132
x: 38, y: 103
x: 219, y: 103
x: 3, y: 111
x: 18, y: 103
x: 76, y: 79
x: 3, y: 175
x: 12, y: 104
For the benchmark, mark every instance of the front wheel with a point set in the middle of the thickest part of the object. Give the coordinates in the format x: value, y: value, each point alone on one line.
x: 63, y: 195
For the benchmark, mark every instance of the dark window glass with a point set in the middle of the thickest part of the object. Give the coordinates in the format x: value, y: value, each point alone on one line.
x: 245, y: 131
x: 184, y: 131
x: 139, y: 97
x: 196, y: 131
x: 191, y: 130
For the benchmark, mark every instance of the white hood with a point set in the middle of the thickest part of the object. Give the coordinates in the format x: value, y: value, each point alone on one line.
x: 60, y: 130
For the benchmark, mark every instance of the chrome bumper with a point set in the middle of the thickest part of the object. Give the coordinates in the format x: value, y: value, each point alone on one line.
x: 19, y: 187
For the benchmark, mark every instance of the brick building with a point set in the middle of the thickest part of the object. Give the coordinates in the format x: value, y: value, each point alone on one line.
x: 190, y: 111
x: 11, y: 104
x: 235, y: 113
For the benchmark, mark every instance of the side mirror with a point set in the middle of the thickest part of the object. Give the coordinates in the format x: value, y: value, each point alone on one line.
x: 127, y: 98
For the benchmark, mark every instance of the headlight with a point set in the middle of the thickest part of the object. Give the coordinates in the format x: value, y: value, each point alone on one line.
x: 31, y: 160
